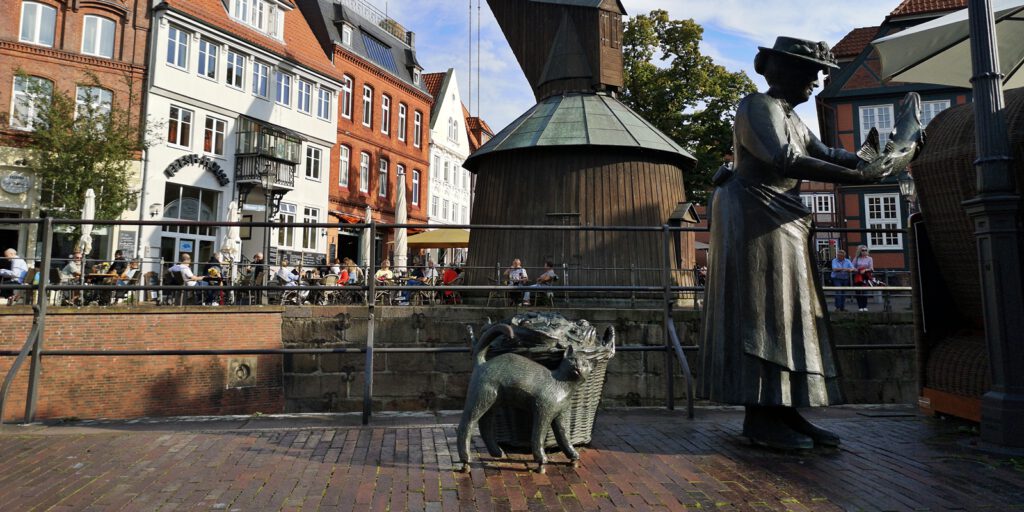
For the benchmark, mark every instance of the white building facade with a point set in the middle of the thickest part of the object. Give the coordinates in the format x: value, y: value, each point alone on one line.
x: 451, y: 186
x: 235, y: 113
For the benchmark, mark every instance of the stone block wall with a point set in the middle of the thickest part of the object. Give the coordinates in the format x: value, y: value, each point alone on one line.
x: 134, y: 386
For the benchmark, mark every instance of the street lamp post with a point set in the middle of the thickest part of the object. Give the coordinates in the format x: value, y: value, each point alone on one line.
x: 267, y: 179
x: 908, y: 189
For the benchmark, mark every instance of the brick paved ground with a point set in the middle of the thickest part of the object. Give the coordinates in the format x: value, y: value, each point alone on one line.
x: 892, y: 459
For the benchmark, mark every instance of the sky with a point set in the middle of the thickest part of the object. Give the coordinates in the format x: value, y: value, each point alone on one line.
x: 733, y: 29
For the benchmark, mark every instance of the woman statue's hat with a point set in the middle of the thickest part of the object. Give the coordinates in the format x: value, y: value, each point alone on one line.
x: 803, y: 50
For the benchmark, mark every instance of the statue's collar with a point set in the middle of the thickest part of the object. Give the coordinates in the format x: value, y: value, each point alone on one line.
x: 786, y: 107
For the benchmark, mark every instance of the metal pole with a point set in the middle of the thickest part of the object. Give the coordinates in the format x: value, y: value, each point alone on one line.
x: 41, y: 303
x: 371, y: 283
x: 666, y: 281
x: 994, y: 212
x: 265, y: 293
x: 632, y: 282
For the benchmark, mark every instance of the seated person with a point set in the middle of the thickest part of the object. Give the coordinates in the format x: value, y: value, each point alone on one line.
x: 73, y: 269
x: 13, y: 272
x: 355, y: 274
x: 384, y: 273
x: 516, y: 276
x: 185, y: 269
x: 125, y: 277
x: 336, y: 267
x: 452, y: 276
x: 420, y: 276
x: 289, y: 276
x: 546, y: 279
x: 119, y: 264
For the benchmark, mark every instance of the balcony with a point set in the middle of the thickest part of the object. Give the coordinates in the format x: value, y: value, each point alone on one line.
x: 249, y: 171
x: 264, y: 146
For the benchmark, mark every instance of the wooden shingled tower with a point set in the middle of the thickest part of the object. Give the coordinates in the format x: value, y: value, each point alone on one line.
x: 578, y: 157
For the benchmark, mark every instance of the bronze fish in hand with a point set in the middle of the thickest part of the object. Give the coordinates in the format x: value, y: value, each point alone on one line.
x: 905, y: 141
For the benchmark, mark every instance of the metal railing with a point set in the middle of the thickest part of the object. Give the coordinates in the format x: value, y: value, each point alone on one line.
x: 34, y: 347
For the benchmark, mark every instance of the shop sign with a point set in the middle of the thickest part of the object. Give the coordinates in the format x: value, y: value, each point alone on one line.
x: 202, y: 161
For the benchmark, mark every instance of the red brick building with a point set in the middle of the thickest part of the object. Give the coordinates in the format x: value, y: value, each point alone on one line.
x: 61, y: 43
x: 854, y: 100
x: 383, y: 117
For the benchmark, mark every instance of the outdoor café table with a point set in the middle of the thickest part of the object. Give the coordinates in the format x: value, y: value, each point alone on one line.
x: 102, y: 297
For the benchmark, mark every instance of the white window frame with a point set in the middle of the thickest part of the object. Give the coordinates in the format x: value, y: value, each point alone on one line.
x: 285, y: 236
x: 869, y: 118
x: 818, y: 202
x: 930, y: 109
x: 444, y: 209
x: 283, y: 88
x: 434, y: 201
x: 29, y: 101
x: 236, y: 63
x: 259, y: 79
x: 383, y: 167
x: 304, y: 97
x: 346, y: 97
x: 403, y: 121
x: 447, y: 174
x: 207, y: 59
x: 102, y: 98
x: 885, y: 214
x: 364, y: 172
x: 313, y: 163
x: 37, y: 30
x: 436, y: 173
x: 177, y: 48
x: 310, y: 240
x: 385, y: 114
x: 219, y: 130
x: 346, y: 35
x: 416, y: 76
x: 367, y: 106
x: 105, y: 28
x: 183, y: 127
x: 324, y: 102
x: 415, y: 187
x: 453, y: 129
x: 417, y: 128
x: 344, y: 161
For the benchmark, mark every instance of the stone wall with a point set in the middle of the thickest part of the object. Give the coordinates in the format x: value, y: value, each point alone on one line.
x: 134, y: 386
x: 405, y: 381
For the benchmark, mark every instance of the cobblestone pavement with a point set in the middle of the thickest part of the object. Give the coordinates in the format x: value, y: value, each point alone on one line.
x: 640, y: 459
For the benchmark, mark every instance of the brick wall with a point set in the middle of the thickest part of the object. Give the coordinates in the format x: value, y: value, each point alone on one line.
x: 127, y: 387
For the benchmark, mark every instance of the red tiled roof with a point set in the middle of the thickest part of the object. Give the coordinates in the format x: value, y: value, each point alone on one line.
x: 477, y: 124
x: 433, y: 83
x: 474, y: 141
x: 299, y: 46
x: 910, y: 7
x: 853, y: 43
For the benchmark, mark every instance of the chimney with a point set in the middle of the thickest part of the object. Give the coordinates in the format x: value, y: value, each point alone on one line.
x: 410, y: 39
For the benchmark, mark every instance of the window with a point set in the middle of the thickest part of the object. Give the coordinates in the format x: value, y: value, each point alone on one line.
x: 930, y: 109
x: 208, y: 59
x: 313, y: 157
x: 417, y: 129
x: 433, y: 206
x: 436, y: 173
x: 465, y: 215
x: 883, y: 211
x: 880, y: 117
x: 98, y: 37
x: 286, y: 236
x: 259, y: 14
x: 382, y: 178
x: 415, y: 187
x: 402, y: 121
x: 416, y: 74
x: 447, y: 165
x: 465, y: 179
x: 367, y: 106
x: 346, y: 97
x: 260, y: 77
x: 29, y: 93
x: 346, y: 35
x: 304, y: 100
x: 310, y: 216
x: 819, y: 203
x: 179, y: 127
x: 93, y: 101
x: 343, y: 165
x: 177, y: 47
x: 364, y: 172
x: 37, y: 23
x: 385, y: 114
x: 213, y: 136
x: 283, y: 92
x: 453, y: 129
x: 236, y: 69
x: 323, y: 104
x: 444, y: 210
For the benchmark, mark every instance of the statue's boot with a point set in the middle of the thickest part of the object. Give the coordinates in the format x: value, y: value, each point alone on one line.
x: 765, y: 426
x: 798, y: 423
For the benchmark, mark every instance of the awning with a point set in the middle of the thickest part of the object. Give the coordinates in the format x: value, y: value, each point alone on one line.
x: 347, y: 217
x: 440, y: 239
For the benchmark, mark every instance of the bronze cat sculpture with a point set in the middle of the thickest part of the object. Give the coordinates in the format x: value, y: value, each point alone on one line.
x: 516, y: 380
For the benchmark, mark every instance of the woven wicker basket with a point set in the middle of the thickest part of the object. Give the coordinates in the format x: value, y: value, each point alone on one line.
x: 512, y: 426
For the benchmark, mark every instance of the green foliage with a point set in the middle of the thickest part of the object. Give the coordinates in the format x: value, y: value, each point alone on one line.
x: 80, y: 141
x: 688, y: 96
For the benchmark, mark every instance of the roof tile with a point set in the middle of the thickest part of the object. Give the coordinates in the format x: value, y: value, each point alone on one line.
x: 433, y: 82
x: 911, y: 7
x: 853, y: 43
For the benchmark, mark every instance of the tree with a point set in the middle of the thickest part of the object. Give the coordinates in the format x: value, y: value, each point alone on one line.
x: 688, y: 97
x: 78, y: 142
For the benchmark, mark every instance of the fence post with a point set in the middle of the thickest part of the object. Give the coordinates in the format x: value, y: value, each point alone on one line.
x: 371, y: 298
x: 632, y: 283
x: 42, y: 302
x: 666, y: 282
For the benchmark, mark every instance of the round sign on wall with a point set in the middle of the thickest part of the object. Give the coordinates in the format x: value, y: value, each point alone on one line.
x: 16, y: 183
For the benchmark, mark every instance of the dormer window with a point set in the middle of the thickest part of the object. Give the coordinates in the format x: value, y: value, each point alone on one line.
x: 346, y: 35
x: 416, y: 76
x: 262, y: 15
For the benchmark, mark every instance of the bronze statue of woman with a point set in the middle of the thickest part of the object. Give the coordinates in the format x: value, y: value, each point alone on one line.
x: 766, y: 335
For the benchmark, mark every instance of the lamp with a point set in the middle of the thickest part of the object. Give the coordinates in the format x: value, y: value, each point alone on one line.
x: 267, y: 179
x: 908, y: 189
x: 155, y: 209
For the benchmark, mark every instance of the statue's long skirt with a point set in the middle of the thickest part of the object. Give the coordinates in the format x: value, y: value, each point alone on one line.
x: 766, y: 335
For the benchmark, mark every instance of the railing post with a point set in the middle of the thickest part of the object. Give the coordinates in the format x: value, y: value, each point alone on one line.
x: 42, y: 301
x: 632, y: 283
x: 371, y: 283
x: 666, y: 282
